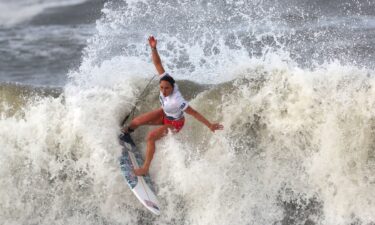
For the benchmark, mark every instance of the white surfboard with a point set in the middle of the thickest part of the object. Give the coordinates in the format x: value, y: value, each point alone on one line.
x: 141, y: 186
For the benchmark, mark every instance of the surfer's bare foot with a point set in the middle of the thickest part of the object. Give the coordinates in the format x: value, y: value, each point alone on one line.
x: 140, y: 171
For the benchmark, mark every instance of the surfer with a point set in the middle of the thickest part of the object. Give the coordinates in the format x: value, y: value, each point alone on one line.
x: 170, y: 115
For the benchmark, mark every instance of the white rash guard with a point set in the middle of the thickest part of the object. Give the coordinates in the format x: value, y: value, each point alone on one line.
x: 173, y: 105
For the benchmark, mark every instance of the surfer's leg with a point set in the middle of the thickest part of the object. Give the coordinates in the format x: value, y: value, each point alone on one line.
x: 151, y: 118
x: 152, y: 137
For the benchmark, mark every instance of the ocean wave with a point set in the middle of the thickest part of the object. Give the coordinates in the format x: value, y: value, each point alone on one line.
x: 293, y: 138
x: 16, y: 12
x: 297, y: 145
x: 14, y: 97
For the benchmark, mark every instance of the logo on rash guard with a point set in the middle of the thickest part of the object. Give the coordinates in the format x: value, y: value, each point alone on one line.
x: 183, y: 105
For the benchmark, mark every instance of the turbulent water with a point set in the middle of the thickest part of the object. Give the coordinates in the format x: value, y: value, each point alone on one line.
x: 293, y: 83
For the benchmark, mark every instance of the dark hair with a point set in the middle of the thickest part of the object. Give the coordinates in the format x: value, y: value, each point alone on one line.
x: 168, y: 78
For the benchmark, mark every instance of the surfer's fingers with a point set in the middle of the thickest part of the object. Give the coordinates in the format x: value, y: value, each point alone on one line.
x: 151, y: 39
x: 214, y: 127
x: 219, y: 126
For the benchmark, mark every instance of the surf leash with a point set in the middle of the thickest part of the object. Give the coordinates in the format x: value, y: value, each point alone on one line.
x: 138, y: 100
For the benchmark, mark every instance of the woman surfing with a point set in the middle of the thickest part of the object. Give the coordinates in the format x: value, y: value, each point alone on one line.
x: 170, y: 115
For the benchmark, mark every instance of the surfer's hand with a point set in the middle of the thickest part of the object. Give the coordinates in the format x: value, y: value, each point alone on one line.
x: 152, y: 41
x: 216, y: 126
x: 140, y: 171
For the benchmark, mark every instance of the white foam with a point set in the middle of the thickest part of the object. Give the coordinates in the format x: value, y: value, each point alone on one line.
x: 291, y: 135
x: 297, y: 144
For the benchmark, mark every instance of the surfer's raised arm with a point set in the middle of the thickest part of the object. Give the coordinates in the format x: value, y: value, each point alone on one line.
x: 155, y: 55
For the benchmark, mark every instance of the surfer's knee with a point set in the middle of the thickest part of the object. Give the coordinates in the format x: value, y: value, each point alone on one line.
x: 157, y: 133
x: 136, y: 122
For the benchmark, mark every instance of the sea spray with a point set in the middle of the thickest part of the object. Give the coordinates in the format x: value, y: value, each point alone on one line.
x: 297, y: 147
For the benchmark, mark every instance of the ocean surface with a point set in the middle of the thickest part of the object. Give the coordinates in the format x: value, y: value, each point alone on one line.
x: 292, y: 81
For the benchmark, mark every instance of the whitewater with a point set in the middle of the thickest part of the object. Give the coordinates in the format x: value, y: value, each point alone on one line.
x: 292, y: 82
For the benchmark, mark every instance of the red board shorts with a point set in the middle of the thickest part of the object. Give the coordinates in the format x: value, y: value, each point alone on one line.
x: 177, y: 124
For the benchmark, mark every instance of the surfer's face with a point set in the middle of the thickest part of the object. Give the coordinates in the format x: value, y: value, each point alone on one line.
x: 166, y: 88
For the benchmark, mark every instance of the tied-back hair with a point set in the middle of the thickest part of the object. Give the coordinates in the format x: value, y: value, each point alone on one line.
x: 168, y: 78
